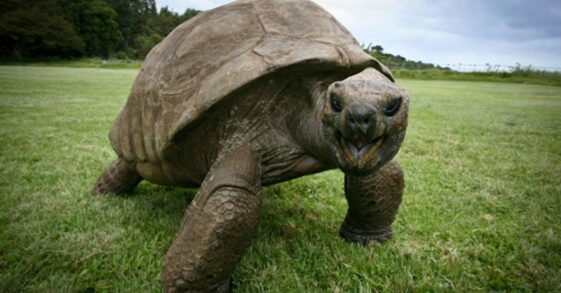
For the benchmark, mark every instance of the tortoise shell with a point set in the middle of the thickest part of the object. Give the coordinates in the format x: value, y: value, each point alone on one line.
x: 219, y: 51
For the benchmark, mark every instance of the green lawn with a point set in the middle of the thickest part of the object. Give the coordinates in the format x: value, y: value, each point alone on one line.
x: 481, y: 212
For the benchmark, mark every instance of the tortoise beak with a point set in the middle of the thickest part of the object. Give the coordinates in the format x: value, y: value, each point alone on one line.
x: 358, y: 130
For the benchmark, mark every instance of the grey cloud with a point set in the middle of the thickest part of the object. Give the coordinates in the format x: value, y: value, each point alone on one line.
x: 515, y: 20
x: 447, y: 31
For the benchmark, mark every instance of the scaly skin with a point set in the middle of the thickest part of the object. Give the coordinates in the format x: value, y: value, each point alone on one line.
x: 218, y: 226
x: 373, y: 202
x: 121, y: 177
x: 276, y: 131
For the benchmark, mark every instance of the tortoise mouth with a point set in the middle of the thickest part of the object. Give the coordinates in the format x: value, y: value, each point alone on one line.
x: 359, y: 154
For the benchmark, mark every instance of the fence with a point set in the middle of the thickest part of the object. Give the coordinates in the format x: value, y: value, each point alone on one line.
x: 464, y: 67
x: 498, y: 67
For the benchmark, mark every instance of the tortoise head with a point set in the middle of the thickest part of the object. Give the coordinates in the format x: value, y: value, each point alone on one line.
x: 364, y: 121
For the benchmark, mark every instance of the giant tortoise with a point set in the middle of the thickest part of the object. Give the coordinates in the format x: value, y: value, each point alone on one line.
x: 251, y: 94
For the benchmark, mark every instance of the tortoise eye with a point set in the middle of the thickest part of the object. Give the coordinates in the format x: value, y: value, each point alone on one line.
x: 392, y: 107
x: 336, y: 103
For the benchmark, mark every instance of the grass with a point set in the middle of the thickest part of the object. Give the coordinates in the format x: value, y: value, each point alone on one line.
x: 519, y: 75
x: 481, y: 211
x: 94, y: 62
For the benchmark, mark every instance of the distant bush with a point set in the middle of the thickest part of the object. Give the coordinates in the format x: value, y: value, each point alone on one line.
x: 121, y: 55
x: 397, y: 61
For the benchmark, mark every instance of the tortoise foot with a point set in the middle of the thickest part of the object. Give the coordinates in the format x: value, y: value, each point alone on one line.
x: 364, y: 236
x: 224, y: 287
x: 121, y: 177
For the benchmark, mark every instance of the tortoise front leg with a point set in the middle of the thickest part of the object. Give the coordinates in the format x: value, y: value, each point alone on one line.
x: 218, y: 227
x: 373, y: 202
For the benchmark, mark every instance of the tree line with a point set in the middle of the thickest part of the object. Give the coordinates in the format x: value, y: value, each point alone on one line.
x: 398, y: 61
x: 123, y: 29
x: 84, y: 28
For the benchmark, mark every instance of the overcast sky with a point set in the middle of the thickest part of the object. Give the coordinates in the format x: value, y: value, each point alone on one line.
x: 446, y: 31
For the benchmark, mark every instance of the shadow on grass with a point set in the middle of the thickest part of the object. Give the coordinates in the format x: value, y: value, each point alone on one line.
x: 287, y: 218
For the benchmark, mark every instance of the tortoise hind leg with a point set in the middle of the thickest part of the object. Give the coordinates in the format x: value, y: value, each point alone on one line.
x: 121, y: 177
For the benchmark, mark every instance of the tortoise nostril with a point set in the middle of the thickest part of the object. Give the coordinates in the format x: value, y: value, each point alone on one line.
x: 361, y: 118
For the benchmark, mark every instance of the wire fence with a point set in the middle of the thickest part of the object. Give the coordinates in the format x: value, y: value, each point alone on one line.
x: 466, y: 67
x: 498, y: 67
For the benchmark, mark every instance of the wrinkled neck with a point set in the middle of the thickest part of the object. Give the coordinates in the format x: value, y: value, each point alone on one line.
x: 306, y: 124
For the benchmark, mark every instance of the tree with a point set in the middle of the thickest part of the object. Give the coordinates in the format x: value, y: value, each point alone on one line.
x: 166, y: 20
x: 189, y: 13
x: 377, y: 49
x: 133, y: 19
x: 36, y: 28
x: 159, y: 26
x: 96, y: 22
x: 129, y: 28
